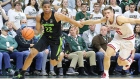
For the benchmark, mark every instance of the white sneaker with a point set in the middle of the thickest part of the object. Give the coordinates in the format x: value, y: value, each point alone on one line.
x: 128, y: 66
x: 104, y: 76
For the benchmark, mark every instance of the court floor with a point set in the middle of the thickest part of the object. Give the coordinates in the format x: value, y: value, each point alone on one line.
x: 73, y: 77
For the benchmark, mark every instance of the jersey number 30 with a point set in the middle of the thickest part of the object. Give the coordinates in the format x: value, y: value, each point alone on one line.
x: 49, y: 29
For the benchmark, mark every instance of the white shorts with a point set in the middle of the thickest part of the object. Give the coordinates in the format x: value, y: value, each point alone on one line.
x: 124, y: 46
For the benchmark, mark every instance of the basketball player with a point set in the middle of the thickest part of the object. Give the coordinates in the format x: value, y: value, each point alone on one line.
x: 123, y: 39
x: 51, y: 21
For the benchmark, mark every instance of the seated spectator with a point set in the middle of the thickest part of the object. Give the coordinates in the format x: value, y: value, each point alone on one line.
x: 8, y: 47
x: 88, y: 36
x: 46, y: 53
x: 99, y: 43
x: 78, y: 46
x: 24, y: 46
x: 11, y: 31
x: 70, y: 56
x: 137, y: 37
x: 1, y: 56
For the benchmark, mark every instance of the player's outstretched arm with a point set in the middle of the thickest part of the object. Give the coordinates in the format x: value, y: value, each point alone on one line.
x: 123, y: 19
x: 91, y: 22
x: 61, y: 17
x: 38, y: 25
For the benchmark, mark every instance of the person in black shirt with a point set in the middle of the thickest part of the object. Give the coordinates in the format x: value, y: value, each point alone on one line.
x: 51, y: 22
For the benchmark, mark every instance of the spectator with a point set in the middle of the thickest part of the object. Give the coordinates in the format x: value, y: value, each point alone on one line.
x: 16, y: 14
x: 8, y: 47
x: 11, y: 31
x: 71, y: 4
x: 137, y: 36
x: 1, y: 56
x: 7, y: 5
x: 2, y: 15
x: 65, y: 25
x: 78, y: 5
x: 31, y: 11
x: 56, y: 4
x: 114, y: 5
x: 126, y: 8
x: 124, y: 3
x: 100, y: 42
x: 78, y: 47
x: 47, y: 53
x: 70, y: 56
x: 92, y: 2
x: 97, y: 15
x: 88, y: 4
x: 102, y: 4
x: 88, y: 36
x: 132, y: 13
x: 24, y: 47
x: 137, y: 45
x: 83, y: 15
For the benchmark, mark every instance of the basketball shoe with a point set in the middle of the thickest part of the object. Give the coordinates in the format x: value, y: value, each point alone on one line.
x: 104, y: 76
x: 19, y: 75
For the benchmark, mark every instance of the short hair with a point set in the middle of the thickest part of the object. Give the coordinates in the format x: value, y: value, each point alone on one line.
x: 109, y: 8
x: 76, y: 28
x: 96, y: 4
x: 45, y: 2
x: 17, y: 2
x: 132, y: 4
x: 84, y: 4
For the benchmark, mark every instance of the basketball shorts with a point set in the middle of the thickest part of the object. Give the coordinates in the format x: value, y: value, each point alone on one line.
x: 123, y: 45
x: 54, y: 43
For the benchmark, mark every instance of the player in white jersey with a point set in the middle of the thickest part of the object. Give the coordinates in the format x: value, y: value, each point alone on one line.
x: 123, y: 40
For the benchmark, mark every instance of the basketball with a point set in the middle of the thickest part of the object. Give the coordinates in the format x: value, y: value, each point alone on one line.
x: 27, y: 33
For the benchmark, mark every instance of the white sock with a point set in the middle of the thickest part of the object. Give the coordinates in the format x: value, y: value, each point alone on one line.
x: 106, y: 72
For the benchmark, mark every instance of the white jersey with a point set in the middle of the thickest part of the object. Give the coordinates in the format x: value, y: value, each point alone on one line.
x: 95, y: 17
x: 124, y: 31
x: 117, y: 9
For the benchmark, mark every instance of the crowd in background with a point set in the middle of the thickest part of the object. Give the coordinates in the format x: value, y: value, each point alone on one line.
x: 88, y: 43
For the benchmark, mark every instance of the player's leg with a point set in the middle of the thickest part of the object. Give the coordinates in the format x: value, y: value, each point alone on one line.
x: 109, y: 52
x: 39, y: 46
x: 56, y: 54
x: 126, y: 58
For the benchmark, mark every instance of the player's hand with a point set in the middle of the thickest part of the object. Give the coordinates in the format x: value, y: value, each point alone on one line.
x: 31, y: 45
x: 79, y: 24
x: 10, y: 49
x: 66, y: 55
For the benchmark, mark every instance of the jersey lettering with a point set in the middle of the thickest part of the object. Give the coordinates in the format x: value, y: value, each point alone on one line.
x: 119, y: 32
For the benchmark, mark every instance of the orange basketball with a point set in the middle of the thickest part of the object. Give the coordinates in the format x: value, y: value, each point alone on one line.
x: 27, y: 33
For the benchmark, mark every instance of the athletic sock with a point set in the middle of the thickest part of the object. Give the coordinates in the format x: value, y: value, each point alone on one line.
x: 106, y: 72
